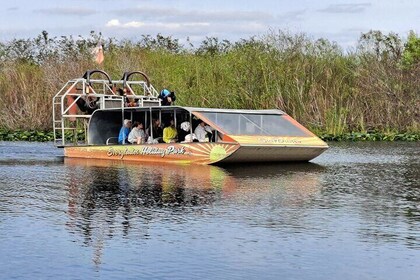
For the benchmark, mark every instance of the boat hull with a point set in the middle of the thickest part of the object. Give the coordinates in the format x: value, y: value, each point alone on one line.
x: 274, y: 154
x: 276, y: 148
x: 198, y: 153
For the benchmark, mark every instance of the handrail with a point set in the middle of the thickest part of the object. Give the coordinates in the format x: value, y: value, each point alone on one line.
x: 88, y: 73
x: 80, y: 91
x: 127, y: 75
x: 110, y: 139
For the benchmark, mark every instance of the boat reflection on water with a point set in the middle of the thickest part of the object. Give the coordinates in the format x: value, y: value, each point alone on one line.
x: 112, y: 198
x: 290, y: 184
x: 107, y: 197
x: 149, y: 184
x: 111, y: 183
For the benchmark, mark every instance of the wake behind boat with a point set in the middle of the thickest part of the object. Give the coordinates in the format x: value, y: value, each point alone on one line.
x: 101, y: 107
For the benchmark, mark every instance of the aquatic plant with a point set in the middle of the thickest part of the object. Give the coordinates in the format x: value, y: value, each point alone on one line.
x: 46, y: 136
x: 371, y: 136
x: 38, y: 136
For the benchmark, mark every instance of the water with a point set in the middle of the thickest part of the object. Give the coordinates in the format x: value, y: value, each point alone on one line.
x: 351, y: 214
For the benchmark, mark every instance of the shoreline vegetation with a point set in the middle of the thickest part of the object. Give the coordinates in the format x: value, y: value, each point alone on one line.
x: 369, y: 93
x: 47, y: 136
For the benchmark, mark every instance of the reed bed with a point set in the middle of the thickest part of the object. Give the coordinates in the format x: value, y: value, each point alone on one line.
x: 333, y: 92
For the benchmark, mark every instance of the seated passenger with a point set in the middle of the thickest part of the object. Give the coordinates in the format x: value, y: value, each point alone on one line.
x: 137, y: 134
x: 168, y: 97
x: 185, y: 135
x: 203, y: 132
x: 127, y: 101
x: 124, y: 131
x: 190, y: 138
x: 156, y: 132
x: 169, y: 133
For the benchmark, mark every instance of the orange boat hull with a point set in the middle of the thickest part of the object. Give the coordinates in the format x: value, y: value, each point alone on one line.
x: 198, y: 153
x: 246, y: 149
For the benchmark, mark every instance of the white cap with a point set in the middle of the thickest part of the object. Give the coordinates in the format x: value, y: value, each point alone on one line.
x: 185, y: 126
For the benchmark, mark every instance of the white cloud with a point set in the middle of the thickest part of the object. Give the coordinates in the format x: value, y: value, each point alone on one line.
x: 135, y: 24
x: 346, y: 8
x: 168, y: 26
x: 113, y: 23
x: 223, y: 23
x: 159, y: 13
x: 194, y: 19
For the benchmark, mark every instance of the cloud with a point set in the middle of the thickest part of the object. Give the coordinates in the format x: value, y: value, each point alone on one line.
x: 165, y: 14
x: 114, y: 23
x: 196, y: 30
x: 67, y: 11
x: 13, y: 9
x: 345, y: 8
x: 195, y: 23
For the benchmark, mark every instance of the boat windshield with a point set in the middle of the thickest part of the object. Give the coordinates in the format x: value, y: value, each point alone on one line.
x: 255, y: 124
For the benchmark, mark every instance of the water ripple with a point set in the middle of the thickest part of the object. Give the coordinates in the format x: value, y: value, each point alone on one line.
x: 353, y: 214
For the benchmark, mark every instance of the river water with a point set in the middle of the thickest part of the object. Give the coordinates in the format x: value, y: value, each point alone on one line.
x: 353, y: 213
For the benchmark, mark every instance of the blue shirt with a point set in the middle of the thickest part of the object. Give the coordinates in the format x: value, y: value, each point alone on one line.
x: 122, y: 137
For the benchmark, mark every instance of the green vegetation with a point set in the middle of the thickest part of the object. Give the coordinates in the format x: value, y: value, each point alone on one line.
x: 45, y: 136
x: 6, y: 135
x: 411, y: 54
x: 371, y: 136
x: 35, y: 136
x: 339, y: 95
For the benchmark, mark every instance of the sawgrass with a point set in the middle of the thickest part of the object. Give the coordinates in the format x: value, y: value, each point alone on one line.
x: 337, y: 94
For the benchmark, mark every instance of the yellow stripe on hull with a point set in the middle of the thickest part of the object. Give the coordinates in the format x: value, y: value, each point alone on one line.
x: 199, y: 153
x: 274, y: 154
x: 281, y: 141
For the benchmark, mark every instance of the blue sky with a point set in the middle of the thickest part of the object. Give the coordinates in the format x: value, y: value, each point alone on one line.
x: 340, y: 21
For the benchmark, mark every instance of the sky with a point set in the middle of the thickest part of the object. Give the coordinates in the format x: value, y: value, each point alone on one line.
x: 341, y: 21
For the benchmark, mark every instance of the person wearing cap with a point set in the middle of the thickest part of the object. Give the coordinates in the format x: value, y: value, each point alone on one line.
x: 168, y: 97
x: 124, y: 131
x: 185, y: 135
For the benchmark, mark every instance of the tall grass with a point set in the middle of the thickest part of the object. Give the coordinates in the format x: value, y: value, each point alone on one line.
x: 315, y: 81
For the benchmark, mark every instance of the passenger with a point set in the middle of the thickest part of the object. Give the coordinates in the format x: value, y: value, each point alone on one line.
x: 124, y: 131
x: 137, y: 134
x: 190, y: 138
x: 203, y: 132
x: 168, y: 97
x: 169, y: 133
x: 155, y: 131
x: 120, y: 92
x: 127, y: 101
x: 185, y: 135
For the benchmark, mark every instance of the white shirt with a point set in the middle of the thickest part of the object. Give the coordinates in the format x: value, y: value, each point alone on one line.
x: 135, y: 133
x: 201, y: 133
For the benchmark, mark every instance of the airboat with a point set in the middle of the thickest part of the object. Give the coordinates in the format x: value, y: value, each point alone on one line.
x: 89, y: 112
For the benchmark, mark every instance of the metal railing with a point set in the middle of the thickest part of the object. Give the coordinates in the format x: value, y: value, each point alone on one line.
x: 69, y: 118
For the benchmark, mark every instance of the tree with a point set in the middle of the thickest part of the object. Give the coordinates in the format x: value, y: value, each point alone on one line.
x: 411, y: 54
